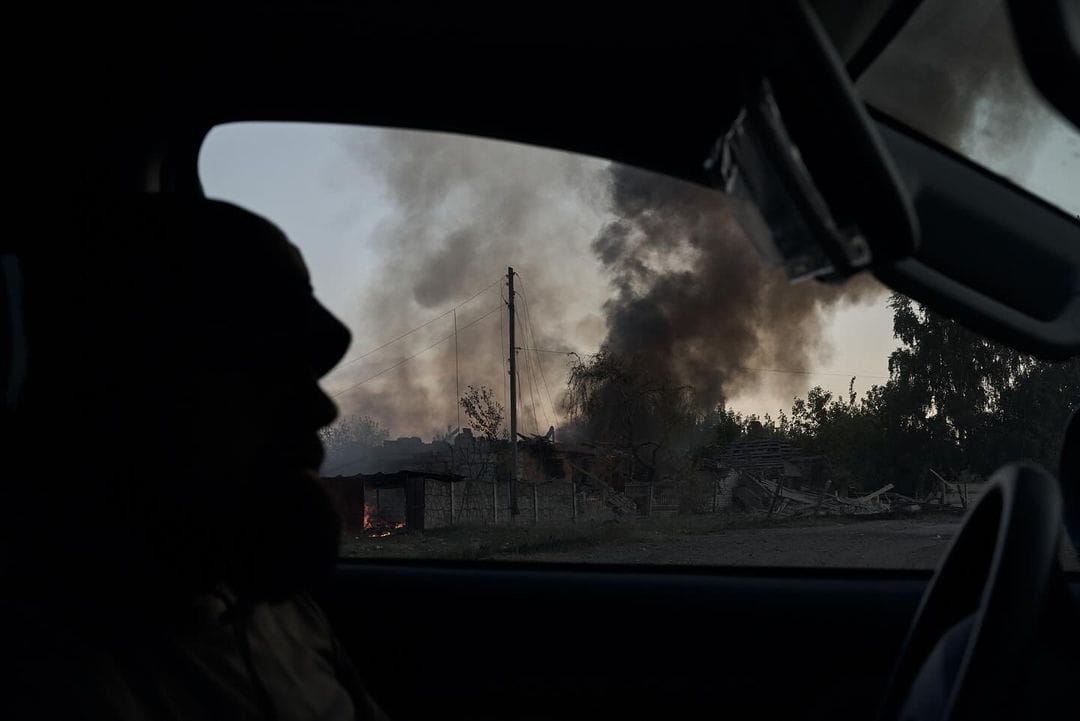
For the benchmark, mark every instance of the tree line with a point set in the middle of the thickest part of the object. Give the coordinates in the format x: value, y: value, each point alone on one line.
x: 954, y: 402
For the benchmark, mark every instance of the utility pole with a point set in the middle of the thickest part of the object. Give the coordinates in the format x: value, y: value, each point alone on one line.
x: 511, y: 499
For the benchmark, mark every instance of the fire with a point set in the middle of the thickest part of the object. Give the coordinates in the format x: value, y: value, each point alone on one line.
x: 377, y: 527
x: 384, y: 530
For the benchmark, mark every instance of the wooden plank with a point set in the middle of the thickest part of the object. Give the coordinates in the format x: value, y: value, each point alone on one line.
x: 948, y: 486
x: 870, y: 496
x: 821, y: 497
x: 773, y: 506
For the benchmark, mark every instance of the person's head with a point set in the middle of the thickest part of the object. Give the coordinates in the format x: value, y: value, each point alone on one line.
x: 167, y: 431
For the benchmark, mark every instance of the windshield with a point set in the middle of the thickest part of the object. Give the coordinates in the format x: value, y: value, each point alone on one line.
x: 672, y: 398
x: 954, y: 73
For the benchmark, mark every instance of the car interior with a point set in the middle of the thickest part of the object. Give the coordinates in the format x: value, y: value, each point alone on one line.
x: 115, y: 101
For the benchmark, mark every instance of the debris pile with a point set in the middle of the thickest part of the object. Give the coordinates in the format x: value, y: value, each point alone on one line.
x: 776, y: 478
x: 757, y: 493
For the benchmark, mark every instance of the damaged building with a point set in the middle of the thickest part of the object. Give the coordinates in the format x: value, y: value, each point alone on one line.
x: 415, y: 485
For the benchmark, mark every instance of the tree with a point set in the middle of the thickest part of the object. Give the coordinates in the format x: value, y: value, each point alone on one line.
x: 446, y: 436
x: 979, y: 403
x: 955, y: 402
x: 483, y: 411
x: 725, y: 426
x: 348, y: 438
x: 1031, y: 415
x: 622, y: 402
x: 484, y: 459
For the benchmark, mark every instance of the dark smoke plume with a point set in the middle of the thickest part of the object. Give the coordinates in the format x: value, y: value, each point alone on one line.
x: 463, y: 209
x: 610, y: 257
x: 692, y: 298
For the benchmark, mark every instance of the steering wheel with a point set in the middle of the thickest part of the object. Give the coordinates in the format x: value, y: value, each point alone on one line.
x: 968, y: 646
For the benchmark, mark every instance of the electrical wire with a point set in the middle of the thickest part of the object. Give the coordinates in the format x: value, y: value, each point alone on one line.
x: 403, y: 361
x: 532, y: 332
x: 528, y: 376
x: 419, y: 327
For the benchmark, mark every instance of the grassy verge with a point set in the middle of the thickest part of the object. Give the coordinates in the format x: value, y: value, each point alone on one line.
x: 480, y: 542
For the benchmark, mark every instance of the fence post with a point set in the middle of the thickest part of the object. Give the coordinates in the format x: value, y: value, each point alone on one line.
x: 536, y: 511
x: 451, y: 503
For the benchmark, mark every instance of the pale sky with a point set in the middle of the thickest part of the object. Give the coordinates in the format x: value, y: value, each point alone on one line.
x: 399, y: 227
x: 331, y: 201
x: 329, y: 188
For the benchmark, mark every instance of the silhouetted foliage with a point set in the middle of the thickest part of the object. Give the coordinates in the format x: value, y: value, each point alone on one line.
x: 483, y: 411
x: 619, y: 403
x: 348, y: 438
x: 955, y: 402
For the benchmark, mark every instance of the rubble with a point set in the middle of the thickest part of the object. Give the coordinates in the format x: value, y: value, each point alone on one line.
x: 776, y: 478
x: 756, y: 493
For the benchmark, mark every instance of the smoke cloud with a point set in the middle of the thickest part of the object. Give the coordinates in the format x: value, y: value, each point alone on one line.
x: 692, y: 297
x: 465, y: 209
x: 609, y: 256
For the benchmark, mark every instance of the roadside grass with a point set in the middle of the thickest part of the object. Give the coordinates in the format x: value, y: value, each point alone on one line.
x: 478, y: 542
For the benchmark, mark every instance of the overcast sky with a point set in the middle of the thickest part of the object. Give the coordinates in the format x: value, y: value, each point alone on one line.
x: 331, y: 198
x: 327, y: 188
x: 399, y: 227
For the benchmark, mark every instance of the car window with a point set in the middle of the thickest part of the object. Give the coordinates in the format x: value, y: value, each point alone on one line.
x: 954, y: 73
x: 676, y: 399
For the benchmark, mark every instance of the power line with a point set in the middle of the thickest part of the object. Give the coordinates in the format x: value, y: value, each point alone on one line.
x: 532, y: 399
x: 503, y: 356
x: 532, y: 332
x: 419, y: 327
x: 534, y: 391
x: 545, y: 350
x: 403, y: 361
x: 812, y: 373
x: 793, y: 371
x: 528, y: 373
x: 547, y: 391
x: 534, y: 370
x: 354, y: 461
x: 457, y: 373
x: 400, y: 363
x: 529, y: 378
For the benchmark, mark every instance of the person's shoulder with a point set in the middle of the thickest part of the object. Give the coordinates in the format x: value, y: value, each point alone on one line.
x: 300, y: 625
x: 297, y: 621
x: 306, y: 610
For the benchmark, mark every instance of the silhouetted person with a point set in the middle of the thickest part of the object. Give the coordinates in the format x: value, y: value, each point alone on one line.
x: 162, y: 517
